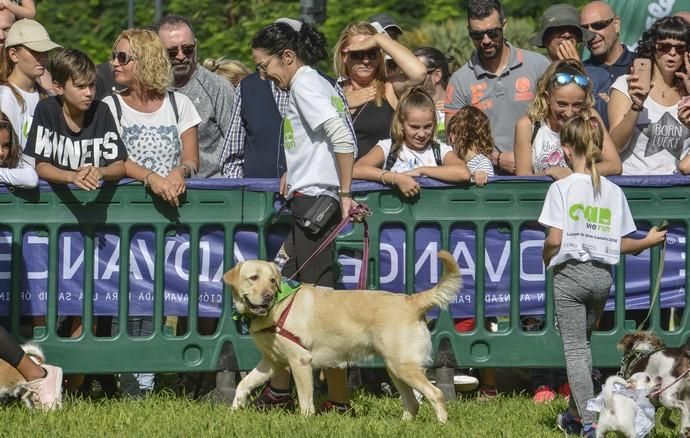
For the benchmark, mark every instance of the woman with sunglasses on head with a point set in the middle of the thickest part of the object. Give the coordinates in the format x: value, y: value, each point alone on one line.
x: 319, y: 152
x: 13, y: 171
x: 372, y: 93
x: 647, y: 124
x: 158, y: 126
x: 562, y: 92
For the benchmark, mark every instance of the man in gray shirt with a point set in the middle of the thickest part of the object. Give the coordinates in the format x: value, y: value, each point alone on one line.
x: 211, y: 95
x: 499, y: 79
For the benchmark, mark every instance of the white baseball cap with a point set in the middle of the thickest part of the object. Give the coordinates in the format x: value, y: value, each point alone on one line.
x: 32, y: 34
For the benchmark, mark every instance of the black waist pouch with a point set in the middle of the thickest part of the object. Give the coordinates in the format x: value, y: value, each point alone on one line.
x: 313, y: 214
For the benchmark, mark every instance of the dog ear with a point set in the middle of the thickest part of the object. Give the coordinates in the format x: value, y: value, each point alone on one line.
x: 232, y: 277
x: 278, y: 276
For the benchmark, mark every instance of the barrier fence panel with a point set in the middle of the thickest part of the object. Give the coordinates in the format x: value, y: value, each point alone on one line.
x: 148, y: 260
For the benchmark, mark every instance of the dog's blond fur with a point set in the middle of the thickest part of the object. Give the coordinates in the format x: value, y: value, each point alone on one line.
x: 336, y: 327
x: 11, y: 380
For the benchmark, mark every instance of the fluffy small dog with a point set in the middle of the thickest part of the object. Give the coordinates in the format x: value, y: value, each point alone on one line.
x: 643, y: 351
x: 11, y: 380
x: 318, y: 327
x: 623, y: 401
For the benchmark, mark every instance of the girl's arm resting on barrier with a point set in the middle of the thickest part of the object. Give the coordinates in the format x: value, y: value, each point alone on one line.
x: 653, y: 238
x: 369, y: 166
x: 453, y: 170
x: 113, y: 171
x: 22, y: 176
x: 83, y: 177
x: 523, y: 147
x: 610, y: 163
x: 552, y: 244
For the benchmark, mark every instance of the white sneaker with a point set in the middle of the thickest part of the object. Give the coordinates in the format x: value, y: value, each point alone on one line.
x: 45, y: 393
x: 465, y: 383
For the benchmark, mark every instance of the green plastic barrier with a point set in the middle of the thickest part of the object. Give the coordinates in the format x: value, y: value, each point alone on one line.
x: 509, y: 203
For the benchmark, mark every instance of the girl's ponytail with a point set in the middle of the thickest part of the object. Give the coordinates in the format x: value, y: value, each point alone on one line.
x: 585, y: 136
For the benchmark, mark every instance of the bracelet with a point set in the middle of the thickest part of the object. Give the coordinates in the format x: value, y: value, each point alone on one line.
x: 344, y: 194
x: 190, y: 166
x: 383, y: 182
x: 146, y: 179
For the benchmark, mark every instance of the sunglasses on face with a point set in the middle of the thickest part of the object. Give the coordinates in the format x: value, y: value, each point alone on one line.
x: 567, y: 78
x: 261, y: 68
x: 359, y: 55
x: 122, y: 58
x: 187, y: 50
x: 666, y: 47
x: 493, y: 33
x: 599, y: 25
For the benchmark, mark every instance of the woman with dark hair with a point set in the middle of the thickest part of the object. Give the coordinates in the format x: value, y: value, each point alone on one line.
x: 563, y: 91
x: 437, y: 76
x: 645, y: 125
x: 319, y: 147
x: 13, y: 170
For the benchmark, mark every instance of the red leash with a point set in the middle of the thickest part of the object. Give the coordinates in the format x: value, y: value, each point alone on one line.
x: 359, y: 210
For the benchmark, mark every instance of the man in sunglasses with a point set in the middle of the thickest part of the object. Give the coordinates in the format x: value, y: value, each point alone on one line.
x: 606, y: 48
x: 499, y: 79
x: 211, y: 95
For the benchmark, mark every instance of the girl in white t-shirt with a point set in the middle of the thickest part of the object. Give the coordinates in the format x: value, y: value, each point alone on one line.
x: 469, y: 132
x: 412, y: 151
x: 587, y: 217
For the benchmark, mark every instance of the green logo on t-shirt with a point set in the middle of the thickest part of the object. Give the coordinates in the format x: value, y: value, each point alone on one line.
x: 338, y: 104
x: 288, y: 135
x: 597, y: 218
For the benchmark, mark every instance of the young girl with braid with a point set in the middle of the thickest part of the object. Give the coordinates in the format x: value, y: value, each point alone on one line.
x: 586, y: 218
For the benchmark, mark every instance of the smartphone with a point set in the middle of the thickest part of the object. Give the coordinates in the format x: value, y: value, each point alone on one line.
x: 684, y: 102
x: 642, y: 68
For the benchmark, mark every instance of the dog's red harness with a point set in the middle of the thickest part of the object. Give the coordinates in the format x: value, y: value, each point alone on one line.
x: 280, y: 329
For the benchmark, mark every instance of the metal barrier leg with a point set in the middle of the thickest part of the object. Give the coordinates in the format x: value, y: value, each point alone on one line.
x: 444, y: 382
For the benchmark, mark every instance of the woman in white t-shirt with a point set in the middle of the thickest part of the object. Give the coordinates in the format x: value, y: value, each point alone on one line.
x: 158, y: 127
x: 13, y: 170
x: 23, y: 62
x: 645, y: 126
x: 587, y: 217
x: 563, y: 91
x: 412, y: 150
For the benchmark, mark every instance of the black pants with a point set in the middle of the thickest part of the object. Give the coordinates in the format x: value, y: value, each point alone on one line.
x: 301, y: 244
x: 10, y: 351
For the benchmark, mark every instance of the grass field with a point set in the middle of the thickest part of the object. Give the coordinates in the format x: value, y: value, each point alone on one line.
x: 165, y: 415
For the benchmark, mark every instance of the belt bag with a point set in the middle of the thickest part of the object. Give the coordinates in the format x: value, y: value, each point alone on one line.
x: 316, y: 218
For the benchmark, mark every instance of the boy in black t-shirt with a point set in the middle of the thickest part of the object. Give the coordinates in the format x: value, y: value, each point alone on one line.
x: 73, y: 138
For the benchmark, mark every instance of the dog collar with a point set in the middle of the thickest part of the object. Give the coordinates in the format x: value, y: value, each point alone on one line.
x: 287, y: 287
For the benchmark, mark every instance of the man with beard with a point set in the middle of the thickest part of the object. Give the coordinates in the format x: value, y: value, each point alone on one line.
x: 211, y: 95
x: 499, y: 79
x: 606, y: 48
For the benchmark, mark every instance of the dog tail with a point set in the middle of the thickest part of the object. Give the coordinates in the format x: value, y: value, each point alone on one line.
x: 608, y: 391
x: 447, y: 288
x: 34, y: 352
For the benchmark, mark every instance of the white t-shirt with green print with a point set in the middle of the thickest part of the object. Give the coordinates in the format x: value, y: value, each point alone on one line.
x: 308, y: 154
x: 592, y: 225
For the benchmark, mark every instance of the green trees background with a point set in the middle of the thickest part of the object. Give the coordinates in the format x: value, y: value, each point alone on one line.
x: 225, y: 27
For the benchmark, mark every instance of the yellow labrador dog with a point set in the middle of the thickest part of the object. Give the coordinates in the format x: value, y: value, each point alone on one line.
x: 318, y: 327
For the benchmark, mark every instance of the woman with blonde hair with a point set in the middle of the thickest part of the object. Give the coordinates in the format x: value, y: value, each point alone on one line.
x: 158, y: 126
x: 232, y: 70
x: 562, y: 92
x: 159, y: 129
x: 372, y: 92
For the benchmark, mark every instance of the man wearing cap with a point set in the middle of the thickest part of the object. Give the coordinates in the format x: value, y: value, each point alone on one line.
x: 384, y: 23
x: 211, y: 95
x: 559, y: 34
x: 26, y: 46
x: 499, y: 79
x: 6, y: 21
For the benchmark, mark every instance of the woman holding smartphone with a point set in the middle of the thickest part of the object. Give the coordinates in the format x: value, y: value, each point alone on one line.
x: 644, y: 110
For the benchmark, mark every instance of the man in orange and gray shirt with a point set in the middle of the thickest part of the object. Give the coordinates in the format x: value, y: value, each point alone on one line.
x: 499, y: 79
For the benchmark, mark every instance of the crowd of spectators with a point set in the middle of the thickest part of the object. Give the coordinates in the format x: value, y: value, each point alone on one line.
x: 158, y: 116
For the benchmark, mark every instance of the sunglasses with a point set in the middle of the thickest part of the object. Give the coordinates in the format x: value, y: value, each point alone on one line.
x: 261, y: 68
x: 187, y: 50
x: 359, y: 55
x: 123, y: 58
x: 599, y: 25
x: 493, y: 33
x: 567, y: 78
x: 666, y: 47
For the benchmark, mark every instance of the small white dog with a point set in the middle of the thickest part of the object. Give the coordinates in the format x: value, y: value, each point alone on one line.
x: 626, y: 408
x: 11, y: 380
